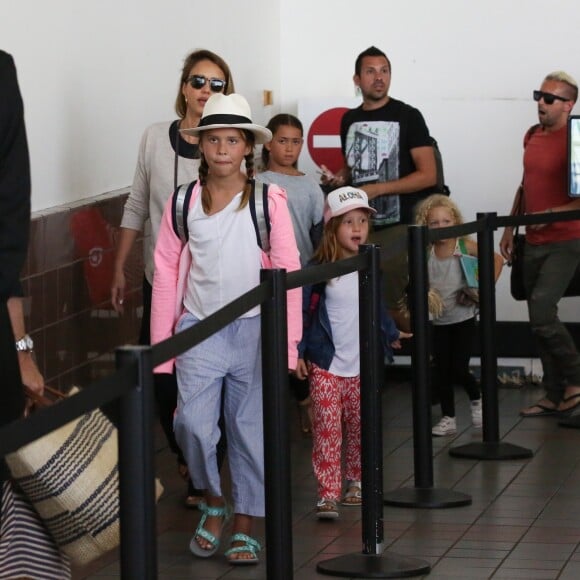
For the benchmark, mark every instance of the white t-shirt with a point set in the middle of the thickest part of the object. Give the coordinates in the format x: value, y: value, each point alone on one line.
x: 226, y: 258
x: 342, y: 307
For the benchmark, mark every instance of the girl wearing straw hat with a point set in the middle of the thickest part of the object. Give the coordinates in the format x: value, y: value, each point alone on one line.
x: 221, y: 262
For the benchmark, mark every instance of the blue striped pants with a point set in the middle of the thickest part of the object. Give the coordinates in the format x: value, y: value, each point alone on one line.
x: 231, y: 357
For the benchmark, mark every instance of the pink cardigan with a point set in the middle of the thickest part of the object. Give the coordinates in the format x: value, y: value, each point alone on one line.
x: 173, y: 260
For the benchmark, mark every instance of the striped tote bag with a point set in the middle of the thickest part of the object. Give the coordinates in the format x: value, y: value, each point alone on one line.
x: 71, y: 478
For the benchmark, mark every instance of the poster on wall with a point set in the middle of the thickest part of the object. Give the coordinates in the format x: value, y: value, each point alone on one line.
x: 321, y: 120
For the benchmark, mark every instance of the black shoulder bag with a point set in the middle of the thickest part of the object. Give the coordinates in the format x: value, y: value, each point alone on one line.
x: 517, y: 288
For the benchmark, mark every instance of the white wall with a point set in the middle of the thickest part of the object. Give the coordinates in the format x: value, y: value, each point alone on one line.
x: 470, y: 67
x: 93, y: 75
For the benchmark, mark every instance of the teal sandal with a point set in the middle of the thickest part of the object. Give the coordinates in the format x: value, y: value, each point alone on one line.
x: 208, y: 511
x: 250, y: 546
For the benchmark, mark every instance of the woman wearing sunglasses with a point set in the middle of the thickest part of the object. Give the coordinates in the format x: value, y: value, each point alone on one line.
x: 167, y: 158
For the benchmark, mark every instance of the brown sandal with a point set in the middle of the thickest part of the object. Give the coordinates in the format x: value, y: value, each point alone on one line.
x: 353, y: 495
x: 193, y: 501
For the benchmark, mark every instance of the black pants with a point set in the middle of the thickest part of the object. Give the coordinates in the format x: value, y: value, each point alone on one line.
x: 452, y: 348
x: 11, y: 392
x: 166, y: 391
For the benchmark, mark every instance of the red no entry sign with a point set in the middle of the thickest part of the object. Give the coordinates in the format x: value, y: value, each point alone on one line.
x: 324, y: 139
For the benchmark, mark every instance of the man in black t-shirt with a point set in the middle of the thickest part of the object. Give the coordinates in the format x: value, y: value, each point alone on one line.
x: 388, y: 153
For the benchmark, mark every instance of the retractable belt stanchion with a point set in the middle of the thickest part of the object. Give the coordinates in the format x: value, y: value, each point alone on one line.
x: 371, y: 563
x: 491, y: 447
x: 279, y: 563
x: 136, y: 459
x: 423, y: 495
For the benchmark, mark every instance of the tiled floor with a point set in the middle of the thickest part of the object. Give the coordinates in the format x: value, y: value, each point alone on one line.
x: 524, y: 521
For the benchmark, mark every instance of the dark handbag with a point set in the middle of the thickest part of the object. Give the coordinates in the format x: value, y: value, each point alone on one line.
x: 517, y: 287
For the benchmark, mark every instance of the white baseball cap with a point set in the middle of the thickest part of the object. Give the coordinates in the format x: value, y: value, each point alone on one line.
x: 343, y: 200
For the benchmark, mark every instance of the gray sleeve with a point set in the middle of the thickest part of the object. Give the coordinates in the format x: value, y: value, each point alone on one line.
x: 136, y: 209
x: 317, y: 204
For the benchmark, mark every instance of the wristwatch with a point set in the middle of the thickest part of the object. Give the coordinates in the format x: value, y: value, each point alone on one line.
x: 25, y: 344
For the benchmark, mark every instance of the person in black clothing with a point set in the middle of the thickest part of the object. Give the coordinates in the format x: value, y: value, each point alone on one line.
x: 388, y: 153
x: 26, y: 548
x: 14, y: 230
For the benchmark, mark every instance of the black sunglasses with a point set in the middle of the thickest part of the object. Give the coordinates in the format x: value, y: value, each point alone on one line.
x: 549, y: 98
x: 199, y: 81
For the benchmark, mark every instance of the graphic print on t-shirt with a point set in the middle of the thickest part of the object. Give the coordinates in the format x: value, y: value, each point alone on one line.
x: 372, y: 153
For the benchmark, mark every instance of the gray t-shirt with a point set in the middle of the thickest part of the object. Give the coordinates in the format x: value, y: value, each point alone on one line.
x: 446, y: 276
x: 306, y: 204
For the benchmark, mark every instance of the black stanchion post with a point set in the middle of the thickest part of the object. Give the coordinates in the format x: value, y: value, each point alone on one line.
x: 491, y: 447
x: 136, y: 469
x: 371, y: 371
x: 276, y: 428
x: 371, y: 563
x: 423, y: 495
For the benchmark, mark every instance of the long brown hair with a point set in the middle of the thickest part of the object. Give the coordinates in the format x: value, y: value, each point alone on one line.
x: 190, y: 61
x: 329, y: 249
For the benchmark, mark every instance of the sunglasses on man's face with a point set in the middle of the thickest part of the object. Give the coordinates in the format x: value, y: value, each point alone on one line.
x: 549, y: 98
x: 199, y: 81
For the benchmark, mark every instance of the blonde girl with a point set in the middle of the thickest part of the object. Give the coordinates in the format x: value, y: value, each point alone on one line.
x: 453, y: 325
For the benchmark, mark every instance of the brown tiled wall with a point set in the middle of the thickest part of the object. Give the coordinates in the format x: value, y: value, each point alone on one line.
x: 66, y: 283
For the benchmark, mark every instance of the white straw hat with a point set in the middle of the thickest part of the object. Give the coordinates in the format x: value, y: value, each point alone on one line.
x: 226, y: 111
x: 344, y: 199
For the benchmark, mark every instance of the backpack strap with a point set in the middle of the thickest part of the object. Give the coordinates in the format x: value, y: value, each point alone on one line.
x: 261, y: 214
x: 258, y: 210
x: 529, y: 133
x: 441, y: 187
x: 519, y: 206
x: 179, y: 210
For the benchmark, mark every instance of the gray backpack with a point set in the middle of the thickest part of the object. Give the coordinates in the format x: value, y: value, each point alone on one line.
x: 258, y: 209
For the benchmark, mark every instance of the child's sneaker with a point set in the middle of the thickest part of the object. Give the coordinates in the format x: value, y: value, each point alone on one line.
x: 326, y: 509
x: 447, y: 426
x: 476, y: 416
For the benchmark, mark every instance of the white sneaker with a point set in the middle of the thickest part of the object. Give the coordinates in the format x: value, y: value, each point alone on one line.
x: 476, y: 416
x: 447, y: 426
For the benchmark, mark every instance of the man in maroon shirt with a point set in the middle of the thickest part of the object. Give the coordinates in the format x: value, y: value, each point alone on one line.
x: 552, y: 251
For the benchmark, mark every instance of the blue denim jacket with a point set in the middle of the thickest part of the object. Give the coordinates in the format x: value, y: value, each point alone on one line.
x: 317, y: 345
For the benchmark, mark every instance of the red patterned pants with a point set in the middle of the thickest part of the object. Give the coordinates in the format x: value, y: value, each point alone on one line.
x: 335, y: 402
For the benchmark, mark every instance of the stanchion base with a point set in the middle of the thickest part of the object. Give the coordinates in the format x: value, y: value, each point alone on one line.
x: 487, y: 450
x: 426, y: 497
x: 570, y: 422
x: 386, y: 565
